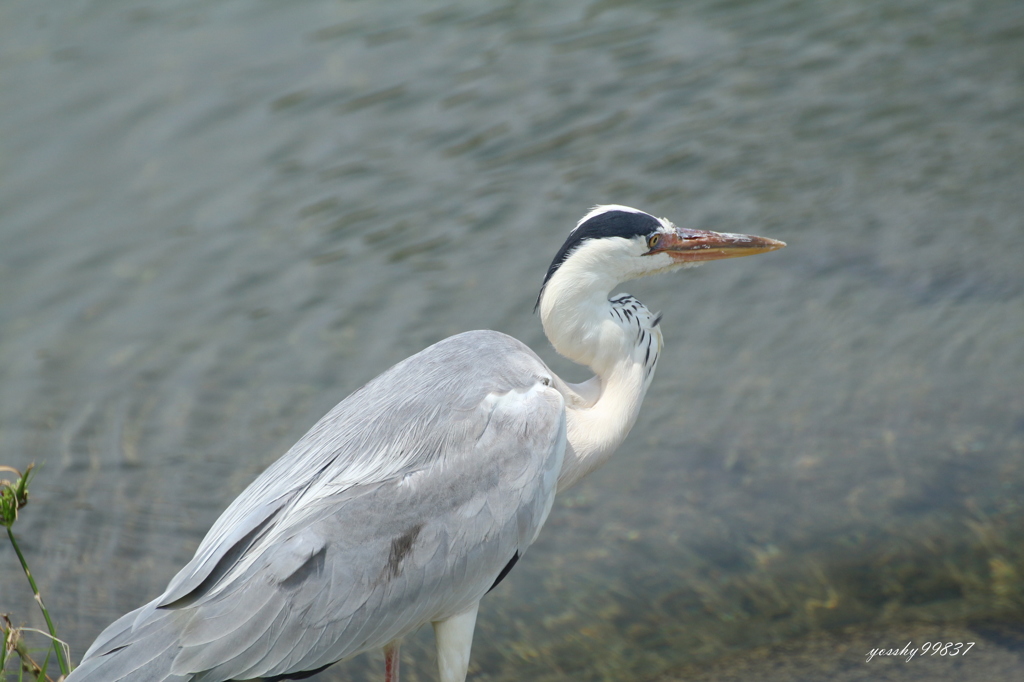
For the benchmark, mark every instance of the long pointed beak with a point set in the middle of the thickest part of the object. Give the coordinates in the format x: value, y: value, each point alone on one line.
x: 687, y: 246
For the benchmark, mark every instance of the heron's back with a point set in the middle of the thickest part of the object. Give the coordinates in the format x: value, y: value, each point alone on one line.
x: 399, y: 507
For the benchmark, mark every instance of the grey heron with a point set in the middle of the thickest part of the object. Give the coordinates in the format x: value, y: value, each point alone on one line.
x: 416, y: 495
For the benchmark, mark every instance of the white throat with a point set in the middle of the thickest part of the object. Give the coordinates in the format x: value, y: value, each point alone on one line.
x: 618, y: 339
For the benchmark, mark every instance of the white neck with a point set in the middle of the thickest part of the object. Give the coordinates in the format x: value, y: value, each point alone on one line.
x: 620, y: 341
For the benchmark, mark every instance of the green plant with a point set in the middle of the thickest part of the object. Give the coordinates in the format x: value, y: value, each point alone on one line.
x: 13, y: 497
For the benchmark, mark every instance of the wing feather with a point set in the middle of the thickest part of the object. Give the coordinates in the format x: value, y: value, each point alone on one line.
x: 401, y: 506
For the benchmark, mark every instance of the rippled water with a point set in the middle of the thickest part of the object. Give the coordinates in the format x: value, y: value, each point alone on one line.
x: 218, y: 219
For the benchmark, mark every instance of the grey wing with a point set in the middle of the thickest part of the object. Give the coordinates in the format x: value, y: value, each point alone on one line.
x: 462, y: 475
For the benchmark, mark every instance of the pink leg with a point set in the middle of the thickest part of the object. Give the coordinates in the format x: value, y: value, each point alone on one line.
x: 391, y: 661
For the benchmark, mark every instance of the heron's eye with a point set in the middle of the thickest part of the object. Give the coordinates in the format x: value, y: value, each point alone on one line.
x: 653, y: 241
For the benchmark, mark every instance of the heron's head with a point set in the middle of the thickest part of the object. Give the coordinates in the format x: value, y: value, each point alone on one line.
x: 613, y: 244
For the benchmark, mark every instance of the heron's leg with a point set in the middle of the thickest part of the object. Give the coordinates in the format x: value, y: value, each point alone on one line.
x: 454, y: 639
x: 391, y: 661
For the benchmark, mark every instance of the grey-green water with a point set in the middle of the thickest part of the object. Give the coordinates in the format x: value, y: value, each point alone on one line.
x: 219, y: 218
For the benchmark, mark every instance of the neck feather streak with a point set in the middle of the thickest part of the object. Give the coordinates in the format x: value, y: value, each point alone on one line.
x: 620, y: 341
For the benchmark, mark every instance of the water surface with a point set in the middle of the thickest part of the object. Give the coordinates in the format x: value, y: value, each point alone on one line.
x: 218, y: 219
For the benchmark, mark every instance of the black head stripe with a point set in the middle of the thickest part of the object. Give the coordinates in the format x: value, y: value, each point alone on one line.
x: 613, y: 223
